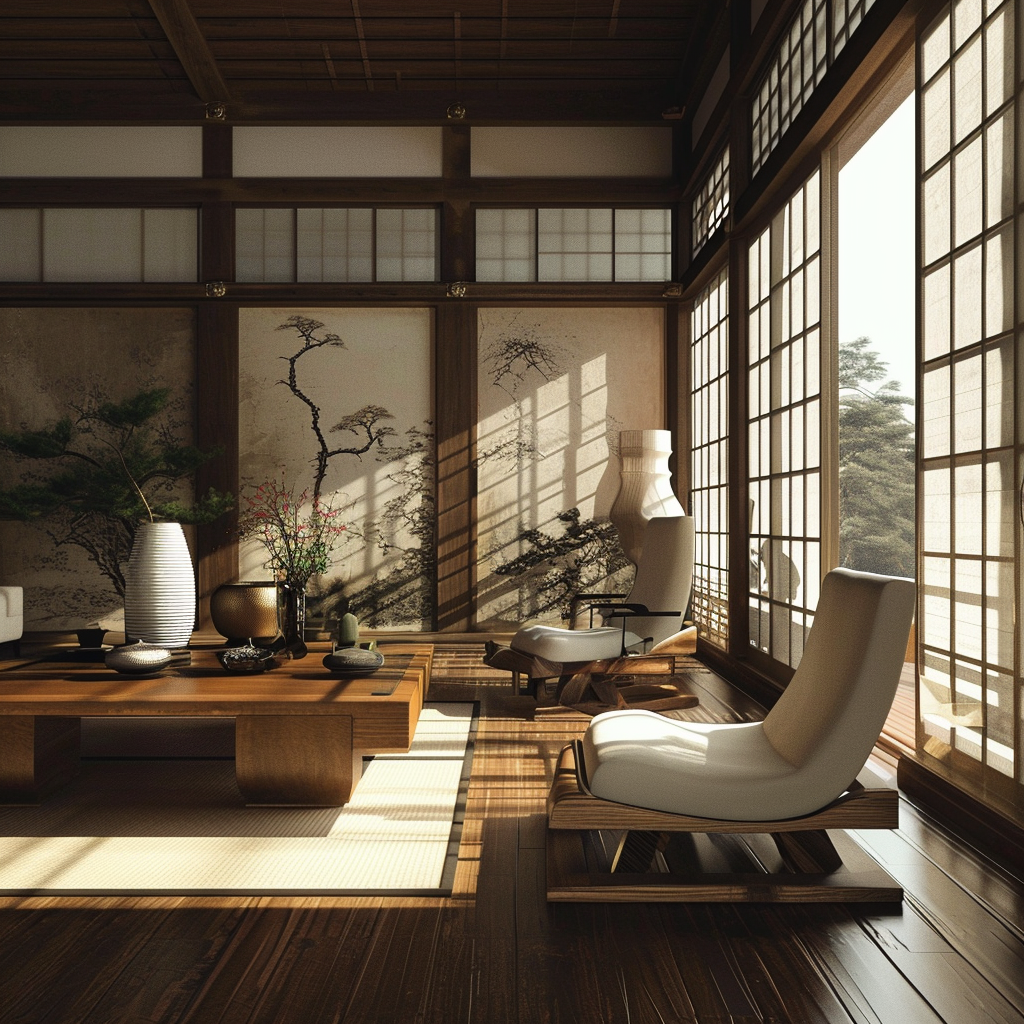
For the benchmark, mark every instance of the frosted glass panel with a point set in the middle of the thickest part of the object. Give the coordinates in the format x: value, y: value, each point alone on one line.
x: 506, y: 245
x: 936, y: 117
x: 101, y: 151
x: 598, y: 244
x: 784, y: 415
x: 265, y: 245
x: 967, y: 81
x: 846, y: 18
x: 334, y: 244
x: 709, y: 459
x: 797, y: 67
x: 92, y: 245
x: 406, y: 246
x: 169, y: 245
x: 711, y: 206
x: 967, y: 183
x: 643, y: 245
x: 121, y: 244
x: 574, y: 245
x: 21, y: 249
x: 571, y: 152
x: 970, y: 475
x: 337, y: 152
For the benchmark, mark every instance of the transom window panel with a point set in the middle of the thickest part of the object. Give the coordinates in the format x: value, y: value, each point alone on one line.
x: 969, y: 700
x: 336, y: 244
x: 846, y: 18
x: 506, y: 245
x: 406, y: 245
x: 573, y: 244
x: 709, y: 461
x: 643, y: 245
x: 99, y: 244
x: 798, y: 66
x: 818, y: 32
x: 784, y: 426
x: 711, y: 206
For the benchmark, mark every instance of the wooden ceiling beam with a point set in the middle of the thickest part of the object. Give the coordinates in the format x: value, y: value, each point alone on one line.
x: 192, y: 50
x: 274, y: 191
x: 155, y: 102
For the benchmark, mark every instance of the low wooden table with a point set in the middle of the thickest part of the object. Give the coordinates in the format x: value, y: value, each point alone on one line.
x: 300, y: 732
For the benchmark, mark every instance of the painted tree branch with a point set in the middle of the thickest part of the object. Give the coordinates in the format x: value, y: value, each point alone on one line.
x: 363, y: 422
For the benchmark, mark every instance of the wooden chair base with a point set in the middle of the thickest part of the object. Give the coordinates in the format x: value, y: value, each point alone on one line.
x: 600, y: 851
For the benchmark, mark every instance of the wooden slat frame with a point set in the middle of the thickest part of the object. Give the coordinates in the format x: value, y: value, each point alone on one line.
x: 571, y: 811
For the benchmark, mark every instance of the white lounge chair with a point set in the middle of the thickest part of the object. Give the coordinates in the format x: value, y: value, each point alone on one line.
x: 790, y: 776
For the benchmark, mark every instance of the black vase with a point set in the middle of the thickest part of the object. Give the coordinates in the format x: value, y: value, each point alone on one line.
x: 293, y: 619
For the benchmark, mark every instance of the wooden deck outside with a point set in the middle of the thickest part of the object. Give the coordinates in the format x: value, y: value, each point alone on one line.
x: 496, y: 952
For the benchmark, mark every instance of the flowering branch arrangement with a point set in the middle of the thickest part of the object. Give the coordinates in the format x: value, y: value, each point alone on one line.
x: 298, y: 532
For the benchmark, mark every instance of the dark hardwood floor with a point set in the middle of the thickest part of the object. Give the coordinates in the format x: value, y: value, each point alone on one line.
x: 496, y: 952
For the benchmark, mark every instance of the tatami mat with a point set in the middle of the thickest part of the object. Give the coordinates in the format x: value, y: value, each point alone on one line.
x: 178, y: 826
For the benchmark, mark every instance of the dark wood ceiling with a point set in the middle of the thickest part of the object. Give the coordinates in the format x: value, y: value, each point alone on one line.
x: 356, y: 59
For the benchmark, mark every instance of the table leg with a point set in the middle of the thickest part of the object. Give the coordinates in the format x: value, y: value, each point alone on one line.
x: 302, y: 760
x: 38, y: 753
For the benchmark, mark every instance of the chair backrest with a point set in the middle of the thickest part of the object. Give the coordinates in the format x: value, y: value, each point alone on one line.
x: 831, y: 714
x: 664, y: 576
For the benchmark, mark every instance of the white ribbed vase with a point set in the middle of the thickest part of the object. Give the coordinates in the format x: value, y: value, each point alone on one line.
x: 645, y: 490
x: 160, y: 587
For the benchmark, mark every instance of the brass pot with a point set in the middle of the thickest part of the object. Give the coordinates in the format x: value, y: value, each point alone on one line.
x: 246, y: 611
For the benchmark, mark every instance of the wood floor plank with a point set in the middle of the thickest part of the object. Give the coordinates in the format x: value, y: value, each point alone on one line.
x: 858, y: 968
x: 987, y: 947
x: 59, y: 957
x: 992, y: 886
x: 496, y: 952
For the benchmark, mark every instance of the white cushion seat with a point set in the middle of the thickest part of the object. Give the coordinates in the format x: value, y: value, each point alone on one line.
x: 569, y: 645
x: 728, y: 772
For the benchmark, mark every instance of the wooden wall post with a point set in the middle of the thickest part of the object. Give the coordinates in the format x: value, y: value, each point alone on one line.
x: 216, y: 375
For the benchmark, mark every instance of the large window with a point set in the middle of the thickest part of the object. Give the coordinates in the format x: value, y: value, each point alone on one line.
x: 709, y: 470
x: 784, y: 426
x: 969, y: 673
x: 877, y: 357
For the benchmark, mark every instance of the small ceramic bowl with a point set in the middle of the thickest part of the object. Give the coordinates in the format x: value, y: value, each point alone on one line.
x: 138, y: 659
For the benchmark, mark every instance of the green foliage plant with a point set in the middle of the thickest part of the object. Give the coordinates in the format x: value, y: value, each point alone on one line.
x: 101, y: 471
x: 876, y: 466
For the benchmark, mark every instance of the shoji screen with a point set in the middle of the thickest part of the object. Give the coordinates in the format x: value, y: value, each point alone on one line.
x: 969, y: 367
x: 784, y: 426
x: 709, y: 471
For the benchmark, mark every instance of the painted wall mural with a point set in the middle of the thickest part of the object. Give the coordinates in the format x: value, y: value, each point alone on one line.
x: 339, y: 402
x: 555, y: 387
x: 62, y: 363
